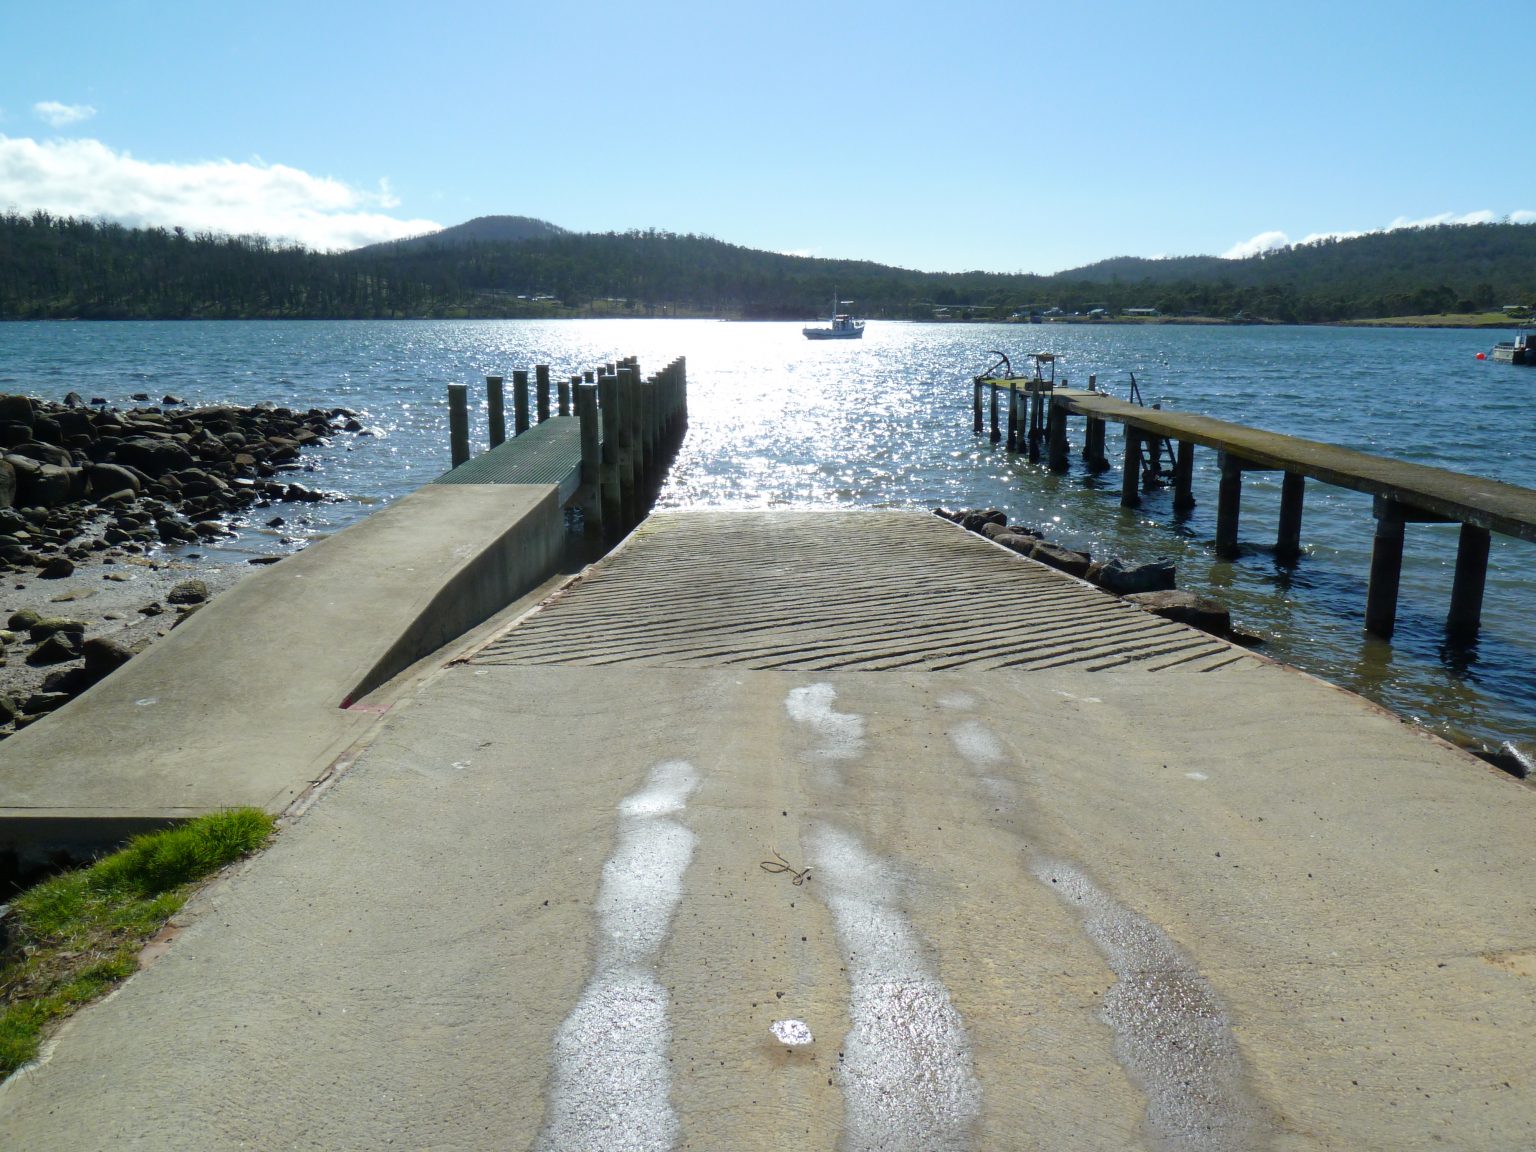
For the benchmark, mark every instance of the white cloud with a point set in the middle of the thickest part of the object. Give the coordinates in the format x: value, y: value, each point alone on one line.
x: 86, y: 178
x: 1263, y: 242
x: 1269, y: 241
x: 57, y: 115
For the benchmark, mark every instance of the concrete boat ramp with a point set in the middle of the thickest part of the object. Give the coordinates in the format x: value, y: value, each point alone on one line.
x: 840, y: 831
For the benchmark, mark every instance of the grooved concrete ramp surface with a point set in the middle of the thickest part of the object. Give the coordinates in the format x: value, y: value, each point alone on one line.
x: 557, y: 906
x: 866, y: 591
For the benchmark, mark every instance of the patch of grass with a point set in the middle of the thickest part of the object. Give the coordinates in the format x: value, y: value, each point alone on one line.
x: 74, y: 937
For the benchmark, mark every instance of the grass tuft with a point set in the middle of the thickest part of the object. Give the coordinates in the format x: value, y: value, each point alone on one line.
x: 73, y: 937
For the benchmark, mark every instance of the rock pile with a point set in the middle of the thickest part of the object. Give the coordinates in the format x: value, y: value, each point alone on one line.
x: 1151, y: 587
x: 78, y: 479
x: 84, y: 483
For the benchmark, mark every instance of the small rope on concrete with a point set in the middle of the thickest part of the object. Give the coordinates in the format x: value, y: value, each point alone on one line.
x: 779, y: 864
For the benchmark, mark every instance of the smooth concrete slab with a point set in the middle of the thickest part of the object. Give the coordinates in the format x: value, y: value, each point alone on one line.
x: 243, y: 703
x: 1045, y: 909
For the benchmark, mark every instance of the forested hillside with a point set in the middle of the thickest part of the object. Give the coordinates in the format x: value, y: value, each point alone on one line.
x: 52, y: 267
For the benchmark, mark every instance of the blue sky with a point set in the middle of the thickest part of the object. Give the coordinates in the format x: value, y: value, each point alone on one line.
x: 1006, y: 135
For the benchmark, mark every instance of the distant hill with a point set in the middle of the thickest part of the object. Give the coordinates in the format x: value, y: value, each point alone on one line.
x: 495, y: 266
x: 480, y: 230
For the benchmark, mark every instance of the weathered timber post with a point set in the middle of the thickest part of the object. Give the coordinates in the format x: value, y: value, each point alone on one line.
x: 458, y: 422
x: 1059, y: 448
x: 1184, y: 478
x: 567, y: 389
x: 496, y: 409
x: 996, y: 435
x: 541, y: 385
x: 589, y: 376
x: 629, y: 464
x: 976, y: 387
x: 1293, y: 491
x: 612, y: 489
x: 1013, y: 418
x: 591, y: 498
x: 1229, y: 502
x: 519, y: 402
x: 1386, y: 568
x: 1466, y: 615
x: 1130, y: 471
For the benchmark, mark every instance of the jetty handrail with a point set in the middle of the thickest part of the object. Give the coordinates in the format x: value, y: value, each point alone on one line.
x: 1492, y: 504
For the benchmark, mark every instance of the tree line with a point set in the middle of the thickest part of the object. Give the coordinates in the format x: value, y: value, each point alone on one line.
x: 64, y: 267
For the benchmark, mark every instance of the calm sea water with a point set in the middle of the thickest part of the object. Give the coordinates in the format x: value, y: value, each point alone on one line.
x: 777, y: 420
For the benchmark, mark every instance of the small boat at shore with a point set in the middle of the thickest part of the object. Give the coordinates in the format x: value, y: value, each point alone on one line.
x: 844, y: 326
x: 1520, y: 350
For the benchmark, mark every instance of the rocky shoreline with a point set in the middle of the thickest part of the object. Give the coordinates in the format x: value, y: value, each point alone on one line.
x: 1150, y: 586
x: 91, y: 499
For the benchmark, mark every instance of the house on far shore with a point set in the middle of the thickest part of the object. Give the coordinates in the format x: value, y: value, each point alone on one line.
x: 1142, y: 312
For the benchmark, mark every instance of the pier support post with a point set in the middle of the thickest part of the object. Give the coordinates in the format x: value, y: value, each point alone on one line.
x: 1466, y: 615
x: 567, y: 390
x: 1060, y: 450
x: 591, y: 499
x: 1386, y: 569
x: 1184, y: 479
x: 496, y: 409
x: 519, y: 402
x: 1130, y: 487
x: 608, y: 423
x: 1093, y: 446
x: 541, y: 386
x: 629, y: 463
x: 976, y: 389
x: 458, y: 422
x: 1013, y: 418
x: 1229, y: 503
x: 996, y: 435
x: 1293, y: 491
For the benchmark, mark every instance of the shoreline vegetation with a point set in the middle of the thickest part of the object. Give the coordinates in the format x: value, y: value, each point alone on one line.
x: 72, y: 938
x: 66, y: 268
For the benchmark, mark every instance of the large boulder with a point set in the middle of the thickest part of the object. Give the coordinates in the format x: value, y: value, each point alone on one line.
x: 1067, y: 560
x: 7, y: 483
x: 17, y: 410
x: 1126, y: 579
x: 1184, y: 607
x: 106, y: 479
x: 152, y: 456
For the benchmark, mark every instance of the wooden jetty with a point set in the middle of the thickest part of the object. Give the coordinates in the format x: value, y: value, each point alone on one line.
x: 1404, y: 492
x: 605, y: 458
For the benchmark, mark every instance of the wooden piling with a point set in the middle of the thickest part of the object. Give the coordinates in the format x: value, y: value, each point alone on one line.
x: 568, y: 390
x: 1386, y: 569
x: 1130, y: 476
x: 1466, y: 615
x: 496, y: 410
x: 1060, y: 450
x: 541, y: 386
x: 629, y: 465
x: 1013, y: 418
x: 1184, y: 479
x: 591, y: 493
x: 519, y: 402
x: 1229, y: 502
x: 458, y: 423
x: 996, y: 435
x: 612, y: 495
x: 1292, y: 495
x: 976, y: 391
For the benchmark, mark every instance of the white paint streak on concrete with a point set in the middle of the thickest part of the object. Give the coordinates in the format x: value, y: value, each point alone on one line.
x: 612, y: 1084
x: 976, y: 742
x: 841, y: 733
x: 907, y: 1073
x: 1171, y: 1032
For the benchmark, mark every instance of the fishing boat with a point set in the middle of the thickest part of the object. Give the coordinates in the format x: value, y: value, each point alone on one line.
x: 1520, y: 350
x: 844, y: 326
